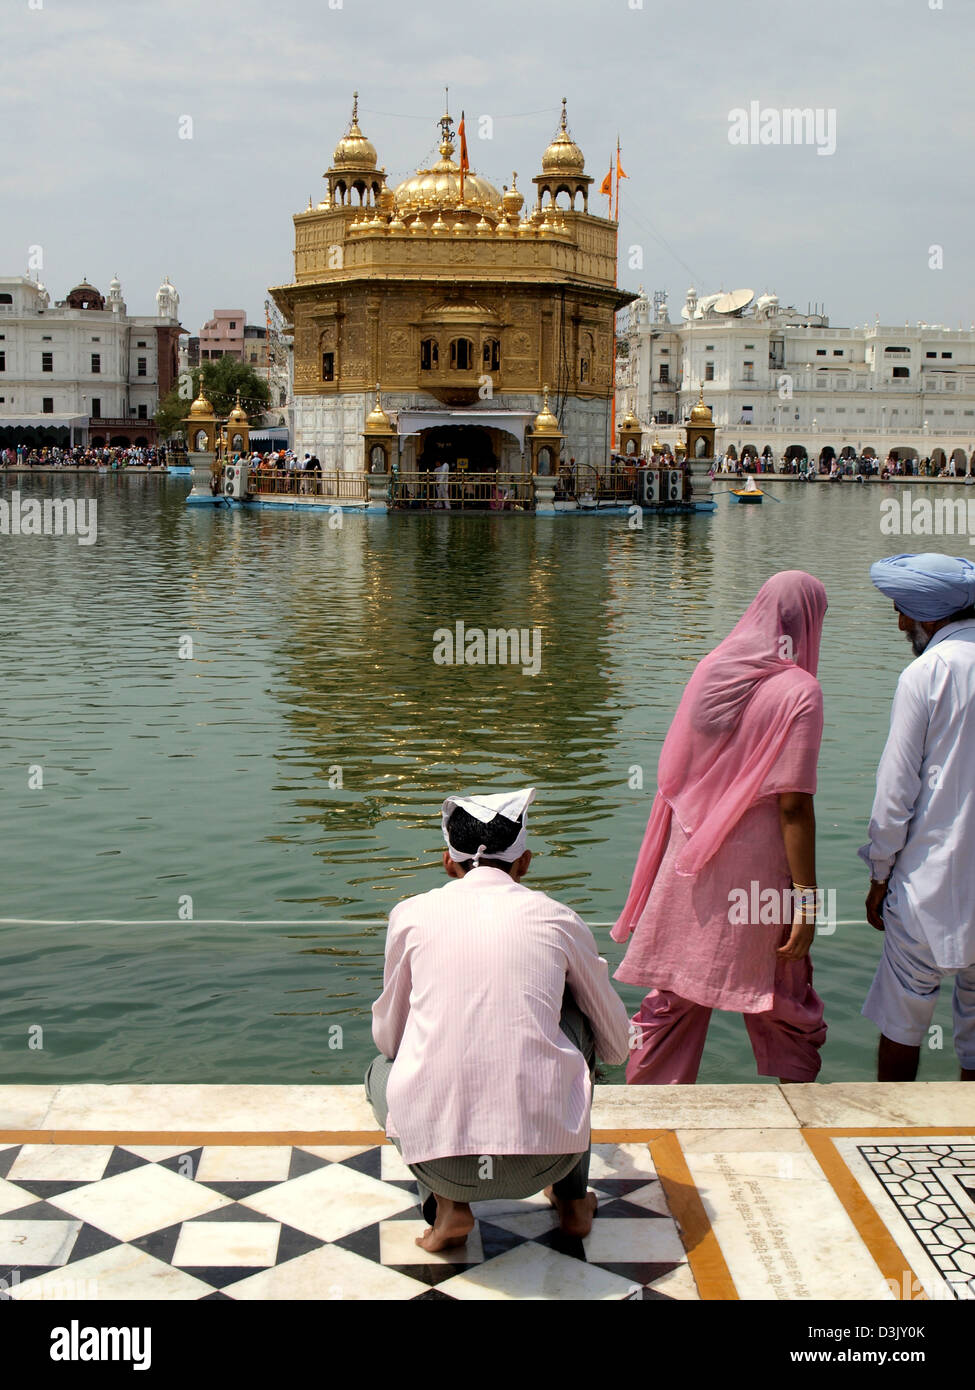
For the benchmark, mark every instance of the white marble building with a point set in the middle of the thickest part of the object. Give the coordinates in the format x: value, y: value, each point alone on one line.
x: 779, y: 378
x: 331, y: 426
x: 84, y: 364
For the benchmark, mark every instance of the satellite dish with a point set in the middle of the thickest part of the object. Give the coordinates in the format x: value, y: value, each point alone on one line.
x: 705, y: 304
x: 734, y: 302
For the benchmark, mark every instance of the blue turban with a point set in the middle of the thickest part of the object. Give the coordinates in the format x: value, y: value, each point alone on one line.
x: 926, y: 587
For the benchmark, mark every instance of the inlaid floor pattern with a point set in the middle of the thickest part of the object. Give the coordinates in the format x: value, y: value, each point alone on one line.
x: 280, y: 1222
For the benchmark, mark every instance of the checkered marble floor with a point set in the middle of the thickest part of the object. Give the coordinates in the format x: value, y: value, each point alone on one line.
x: 280, y: 1222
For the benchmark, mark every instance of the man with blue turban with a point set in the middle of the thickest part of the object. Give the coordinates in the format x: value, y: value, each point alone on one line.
x: 922, y: 828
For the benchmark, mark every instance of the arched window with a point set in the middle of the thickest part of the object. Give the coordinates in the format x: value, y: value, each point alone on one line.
x: 429, y: 355
x: 461, y: 354
x: 586, y: 358
x: 492, y: 355
x: 6, y: 299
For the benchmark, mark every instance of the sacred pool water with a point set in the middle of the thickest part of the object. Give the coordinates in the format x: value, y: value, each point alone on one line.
x: 243, y: 739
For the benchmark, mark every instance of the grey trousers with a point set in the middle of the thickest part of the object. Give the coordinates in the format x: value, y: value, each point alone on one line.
x: 487, y: 1178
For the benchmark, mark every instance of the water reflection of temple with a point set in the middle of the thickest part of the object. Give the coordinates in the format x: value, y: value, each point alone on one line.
x: 460, y: 303
x: 361, y: 691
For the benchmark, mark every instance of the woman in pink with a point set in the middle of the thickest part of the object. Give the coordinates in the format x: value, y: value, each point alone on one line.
x: 721, y: 910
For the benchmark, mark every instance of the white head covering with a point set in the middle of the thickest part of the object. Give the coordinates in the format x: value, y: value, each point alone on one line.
x: 484, y: 806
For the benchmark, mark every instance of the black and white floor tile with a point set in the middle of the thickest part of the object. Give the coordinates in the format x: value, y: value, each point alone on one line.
x: 276, y: 1222
x: 931, y: 1182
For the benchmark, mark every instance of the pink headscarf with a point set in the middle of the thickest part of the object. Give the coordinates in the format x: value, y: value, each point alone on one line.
x: 716, y: 763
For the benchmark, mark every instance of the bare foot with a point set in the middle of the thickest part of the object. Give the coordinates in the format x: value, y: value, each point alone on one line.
x: 453, y: 1225
x: 575, y: 1217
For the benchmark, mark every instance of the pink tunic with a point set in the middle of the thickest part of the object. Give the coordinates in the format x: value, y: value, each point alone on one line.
x: 685, y: 939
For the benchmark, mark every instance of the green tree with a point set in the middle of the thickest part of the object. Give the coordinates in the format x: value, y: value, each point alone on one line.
x: 221, y: 380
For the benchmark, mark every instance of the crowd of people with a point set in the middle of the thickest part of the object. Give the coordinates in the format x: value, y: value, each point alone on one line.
x: 86, y: 456
x: 496, y: 1001
x: 849, y: 466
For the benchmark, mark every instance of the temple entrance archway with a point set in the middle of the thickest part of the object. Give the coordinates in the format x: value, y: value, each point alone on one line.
x: 465, y: 448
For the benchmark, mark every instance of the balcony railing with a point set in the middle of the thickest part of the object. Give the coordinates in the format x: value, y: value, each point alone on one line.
x: 470, y: 491
x: 334, y: 484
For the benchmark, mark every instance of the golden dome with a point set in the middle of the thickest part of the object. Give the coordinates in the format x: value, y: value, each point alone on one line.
x: 238, y: 416
x: 563, y: 155
x: 681, y: 447
x: 437, y: 189
x: 545, y: 421
x: 701, y: 414
x: 513, y: 201
x: 201, y: 406
x: 377, y: 421
x: 354, y: 151
x: 630, y: 422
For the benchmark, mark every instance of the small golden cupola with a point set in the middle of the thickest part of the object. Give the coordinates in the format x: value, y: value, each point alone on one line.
x: 377, y: 421
x: 513, y: 200
x: 545, y: 422
x: 238, y: 429
x: 701, y: 414
x: 201, y: 406
x: 563, y: 169
x: 546, y: 439
x: 238, y: 416
x: 354, y: 167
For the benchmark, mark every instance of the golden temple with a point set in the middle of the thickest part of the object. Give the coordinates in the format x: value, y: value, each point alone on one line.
x: 460, y: 305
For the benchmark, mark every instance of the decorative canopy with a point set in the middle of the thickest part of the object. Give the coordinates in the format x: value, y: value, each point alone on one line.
x: 354, y: 152
x: 563, y: 155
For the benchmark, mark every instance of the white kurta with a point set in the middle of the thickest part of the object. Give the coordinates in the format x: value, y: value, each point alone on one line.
x: 922, y: 828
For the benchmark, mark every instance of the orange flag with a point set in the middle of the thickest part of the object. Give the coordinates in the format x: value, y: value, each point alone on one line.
x: 465, y: 163
x: 619, y: 167
x: 607, y: 184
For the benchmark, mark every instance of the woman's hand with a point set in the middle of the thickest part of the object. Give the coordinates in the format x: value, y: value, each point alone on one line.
x: 800, y: 939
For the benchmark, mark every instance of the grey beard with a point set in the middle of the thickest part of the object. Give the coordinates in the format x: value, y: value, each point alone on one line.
x: 918, y: 639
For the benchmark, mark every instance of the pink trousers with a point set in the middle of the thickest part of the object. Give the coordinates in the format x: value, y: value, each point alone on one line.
x: 671, y: 1031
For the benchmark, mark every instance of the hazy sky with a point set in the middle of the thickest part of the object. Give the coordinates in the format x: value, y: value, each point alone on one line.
x: 94, y: 171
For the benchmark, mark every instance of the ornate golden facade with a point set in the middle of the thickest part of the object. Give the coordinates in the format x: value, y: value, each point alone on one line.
x: 458, y: 302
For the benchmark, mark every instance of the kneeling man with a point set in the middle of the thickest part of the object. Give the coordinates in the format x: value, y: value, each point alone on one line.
x: 495, y: 1002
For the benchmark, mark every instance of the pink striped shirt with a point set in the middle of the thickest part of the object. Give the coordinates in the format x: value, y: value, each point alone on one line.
x: 472, y: 994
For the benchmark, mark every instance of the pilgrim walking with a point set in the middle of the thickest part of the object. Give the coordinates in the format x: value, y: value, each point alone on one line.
x: 733, y: 818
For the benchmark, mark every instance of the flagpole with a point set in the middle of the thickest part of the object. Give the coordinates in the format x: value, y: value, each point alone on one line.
x: 619, y: 171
